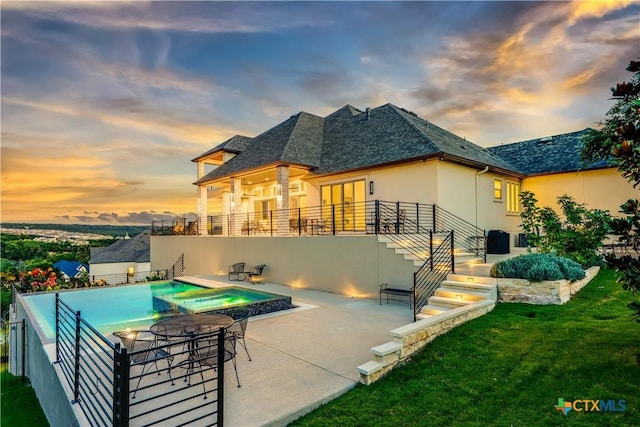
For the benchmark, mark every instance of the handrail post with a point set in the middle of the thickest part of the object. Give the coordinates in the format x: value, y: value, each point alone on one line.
x: 397, y: 225
x: 24, y: 348
x: 453, y: 259
x: 76, y: 368
x: 431, y: 249
x: 417, y: 218
x: 271, y: 223
x: 299, y: 222
x: 484, y: 244
x: 57, y: 328
x: 121, y: 371
x: 333, y: 219
x: 433, y: 216
x: 377, y: 217
x: 220, y: 371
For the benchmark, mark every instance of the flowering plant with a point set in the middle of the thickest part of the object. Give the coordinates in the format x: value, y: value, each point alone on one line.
x: 40, y: 280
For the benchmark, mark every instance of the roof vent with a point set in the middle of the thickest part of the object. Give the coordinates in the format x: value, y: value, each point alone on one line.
x: 367, y: 111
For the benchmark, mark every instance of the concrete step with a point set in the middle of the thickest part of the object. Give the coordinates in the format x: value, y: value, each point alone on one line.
x: 472, y: 279
x: 438, y: 301
x: 478, y: 269
x: 465, y: 295
x: 480, y: 289
x: 432, y: 311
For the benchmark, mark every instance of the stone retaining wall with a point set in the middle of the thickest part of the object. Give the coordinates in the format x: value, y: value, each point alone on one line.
x: 547, y: 292
x: 410, y: 338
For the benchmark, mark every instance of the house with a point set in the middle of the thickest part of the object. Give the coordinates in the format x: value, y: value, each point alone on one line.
x: 71, y: 269
x: 365, y: 173
x: 125, y: 261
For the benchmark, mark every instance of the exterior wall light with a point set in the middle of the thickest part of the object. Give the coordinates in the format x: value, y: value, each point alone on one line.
x: 371, y: 187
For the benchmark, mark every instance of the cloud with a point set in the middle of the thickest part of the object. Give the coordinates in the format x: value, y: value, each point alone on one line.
x: 128, y: 218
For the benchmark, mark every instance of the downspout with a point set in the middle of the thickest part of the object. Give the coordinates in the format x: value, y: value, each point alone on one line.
x: 485, y: 170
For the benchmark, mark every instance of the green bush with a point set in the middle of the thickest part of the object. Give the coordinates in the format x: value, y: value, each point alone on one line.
x: 537, y: 267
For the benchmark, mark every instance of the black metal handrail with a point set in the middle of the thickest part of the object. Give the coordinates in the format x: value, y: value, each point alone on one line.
x: 467, y: 235
x: 177, y: 269
x: 433, y: 272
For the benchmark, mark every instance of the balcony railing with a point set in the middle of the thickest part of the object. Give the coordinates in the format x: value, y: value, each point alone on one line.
x: 371, y: 217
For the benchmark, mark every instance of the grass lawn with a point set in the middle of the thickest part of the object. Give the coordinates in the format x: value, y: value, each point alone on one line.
x: 20, y: 406
x: 509, y: 368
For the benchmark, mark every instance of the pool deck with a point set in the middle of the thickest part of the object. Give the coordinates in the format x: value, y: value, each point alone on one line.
x: 305, y: 358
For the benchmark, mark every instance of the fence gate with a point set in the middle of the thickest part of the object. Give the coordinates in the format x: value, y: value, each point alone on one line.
x: 12, y: 352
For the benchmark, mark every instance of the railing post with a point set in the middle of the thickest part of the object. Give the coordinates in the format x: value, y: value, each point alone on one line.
x: 76, y: 367
x: 220, y: 370
x: 333, y: 219
x: 453, y: 259
x: 417, y: 218
x: 121, y: 366
x: 24, y: 348
x: 299, y: 222
x: 377, y: 217
x: 271, y: 223
x: 484, y: 244
x: 433, y: 216
x: 58, y: 328
x: 397, y: 225
x: 431, y: 249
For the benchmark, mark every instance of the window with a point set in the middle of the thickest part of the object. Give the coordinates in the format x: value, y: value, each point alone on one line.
x: 497, y: 189
x: 349, y: 197
x: 513, y: 197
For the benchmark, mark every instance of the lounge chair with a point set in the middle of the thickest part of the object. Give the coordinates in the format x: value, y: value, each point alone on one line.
x: 254, y: 275
x: 237, y: 271
x: 141, y: 349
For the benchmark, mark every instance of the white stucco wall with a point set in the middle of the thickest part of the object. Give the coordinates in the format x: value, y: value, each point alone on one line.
x: 348, y: 265
x: 597, y: 189
x: 116, y: 272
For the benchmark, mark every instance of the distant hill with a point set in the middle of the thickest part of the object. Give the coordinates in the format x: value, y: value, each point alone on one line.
x: 109, y: 230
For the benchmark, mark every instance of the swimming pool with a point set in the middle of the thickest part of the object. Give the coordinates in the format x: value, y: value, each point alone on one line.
x: 133, y: 306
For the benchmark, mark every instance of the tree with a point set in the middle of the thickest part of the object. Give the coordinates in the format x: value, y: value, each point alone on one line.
x: 619, y: 140
x: 578, y: 236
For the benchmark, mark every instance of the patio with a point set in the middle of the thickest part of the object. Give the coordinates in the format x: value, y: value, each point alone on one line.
x: 305, y: 357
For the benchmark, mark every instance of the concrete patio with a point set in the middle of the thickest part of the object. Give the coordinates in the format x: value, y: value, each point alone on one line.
x: 305, y: 357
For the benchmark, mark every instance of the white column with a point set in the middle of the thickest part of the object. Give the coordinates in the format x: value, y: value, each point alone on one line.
x: 282, y: 200
x: 202, y: 208
x: 235, y: 207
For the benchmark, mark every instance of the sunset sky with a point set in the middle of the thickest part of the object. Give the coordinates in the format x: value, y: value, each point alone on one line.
x: 104, y: 104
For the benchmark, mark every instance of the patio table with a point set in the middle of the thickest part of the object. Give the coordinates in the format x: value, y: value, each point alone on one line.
x: 188, y: 327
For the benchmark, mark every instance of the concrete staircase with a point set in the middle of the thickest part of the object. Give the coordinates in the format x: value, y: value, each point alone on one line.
x: 459, y: 291
x: 410, y: 246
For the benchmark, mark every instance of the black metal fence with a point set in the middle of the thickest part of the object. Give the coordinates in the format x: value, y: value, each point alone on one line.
x: 117, y: 386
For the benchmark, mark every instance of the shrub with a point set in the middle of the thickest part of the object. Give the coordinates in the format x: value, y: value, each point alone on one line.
x: 538, y: 267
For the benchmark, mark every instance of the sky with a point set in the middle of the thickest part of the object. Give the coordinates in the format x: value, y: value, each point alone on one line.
x: 104, y: 104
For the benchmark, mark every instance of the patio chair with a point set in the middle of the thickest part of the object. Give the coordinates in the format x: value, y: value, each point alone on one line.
x: 238, y: 330
x: 207, y: 354
x: 143, y: 353
x: 237, y: 270
x: 254, y: 275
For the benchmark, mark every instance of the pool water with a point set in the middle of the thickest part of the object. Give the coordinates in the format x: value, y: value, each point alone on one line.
x: 106, y: 309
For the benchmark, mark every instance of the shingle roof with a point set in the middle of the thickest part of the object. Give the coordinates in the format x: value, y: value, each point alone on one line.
x: 136, y: 249
x: 351, y: 139
x: 553, y: 154
x: 235, y: 144
x: 297, y: 140
x: 389, y: 134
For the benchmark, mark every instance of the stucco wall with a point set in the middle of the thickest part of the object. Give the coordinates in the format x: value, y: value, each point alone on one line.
x: 116, y: 272
x: 348, y: 265
x: 597, y: 189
